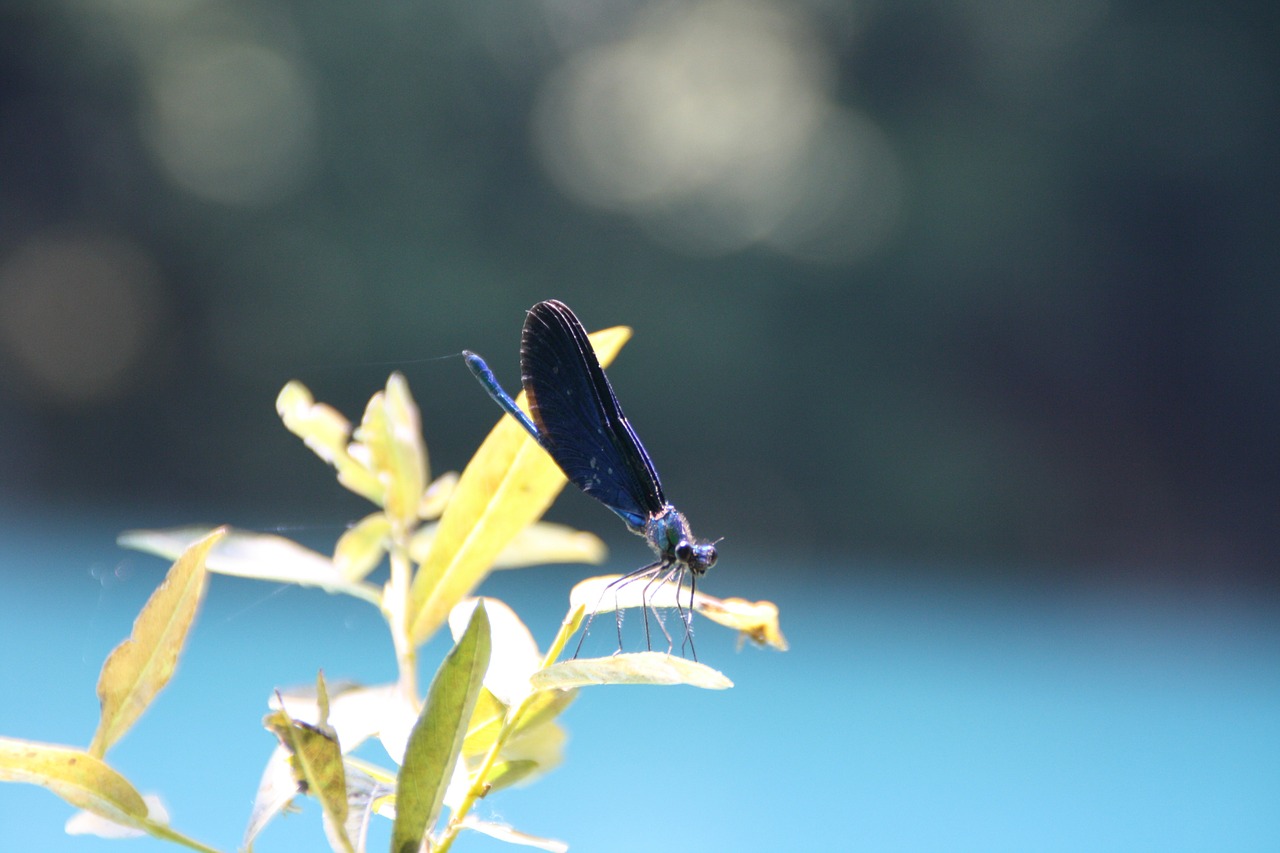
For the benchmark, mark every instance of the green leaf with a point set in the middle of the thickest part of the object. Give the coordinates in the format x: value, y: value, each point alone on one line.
x: 508, y: 485
x: 639, y: 668
x: 356, y: 713
x: 261, y: 556
x: 436, y: 741
x: 82, y: 779
x: 142, y: 665
x: 316, y: 759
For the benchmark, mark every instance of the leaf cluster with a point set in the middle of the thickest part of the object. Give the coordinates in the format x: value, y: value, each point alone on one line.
x: 489, y: 718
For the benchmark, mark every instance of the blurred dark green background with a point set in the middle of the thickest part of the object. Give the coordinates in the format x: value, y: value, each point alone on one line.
x: 981, y: 281
x: 957, y: 320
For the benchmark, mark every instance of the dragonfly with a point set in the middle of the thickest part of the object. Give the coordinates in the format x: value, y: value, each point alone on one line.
x: 575, y: 417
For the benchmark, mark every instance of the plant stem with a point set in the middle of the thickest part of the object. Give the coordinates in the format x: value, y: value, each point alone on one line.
x: 164, y: 831
x: 395, y: 605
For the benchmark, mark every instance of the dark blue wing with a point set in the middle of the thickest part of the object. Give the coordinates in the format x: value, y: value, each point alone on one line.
x: 581, y: 423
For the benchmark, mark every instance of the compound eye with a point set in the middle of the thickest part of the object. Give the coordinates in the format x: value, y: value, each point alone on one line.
x: 684, y: 552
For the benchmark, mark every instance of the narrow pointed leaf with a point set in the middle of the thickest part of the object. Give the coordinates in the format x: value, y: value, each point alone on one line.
x: 82, y: 779
x: 436, y: 741
x: 508, y: 485
x: 316, y: 760
x: 262, y: 556
x: 357, y: 713
x: 322, y: 704
x: 142, y: 665
x: 639, y: 668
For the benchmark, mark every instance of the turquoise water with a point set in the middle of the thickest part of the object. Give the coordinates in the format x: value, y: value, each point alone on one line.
x: 909, y: 715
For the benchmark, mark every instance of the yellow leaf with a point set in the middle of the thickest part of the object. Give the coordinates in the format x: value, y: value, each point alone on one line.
x: 88, y: 823
x: 141, y: 666
x: 538, y: 544
x: 360, y: 549
x: 83, y: 780
x: 323, y: 429
x: 638, y: 668
x: 508, y: 485
x: 757, y: 620
x: 391, y: 435
x: 262, y: 556
x: 539, y: 749
x: 544, y: 707
x: 436, y: 497
x: 544, y: 542
x: 536, y: 737
x: 486, y: 721
x: 507, y: 773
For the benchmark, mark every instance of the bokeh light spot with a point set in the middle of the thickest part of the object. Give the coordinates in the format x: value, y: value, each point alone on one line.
x: 77, y: 314
x: 231, y: 120
x: 847, y: 190
x: 711, y: 124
